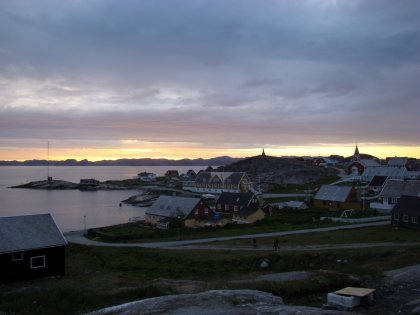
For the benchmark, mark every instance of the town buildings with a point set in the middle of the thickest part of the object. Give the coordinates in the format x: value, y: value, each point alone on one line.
x: 218, y: 182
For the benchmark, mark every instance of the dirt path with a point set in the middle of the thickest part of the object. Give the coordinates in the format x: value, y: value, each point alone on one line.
x: 78, y: 238
x: 301, y: 247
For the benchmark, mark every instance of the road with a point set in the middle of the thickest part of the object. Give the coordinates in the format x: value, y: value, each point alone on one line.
x: 78, y: 238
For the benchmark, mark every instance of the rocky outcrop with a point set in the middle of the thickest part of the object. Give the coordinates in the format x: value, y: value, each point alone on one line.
x: 49, y: 184
x: 215, y: 302
x: 271, y: 171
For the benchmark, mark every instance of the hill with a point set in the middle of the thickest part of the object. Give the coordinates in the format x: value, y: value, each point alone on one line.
x: 271, y: 172
x: 221, y: 160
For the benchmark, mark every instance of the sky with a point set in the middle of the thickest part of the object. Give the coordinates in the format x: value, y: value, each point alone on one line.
x: 109, y: 79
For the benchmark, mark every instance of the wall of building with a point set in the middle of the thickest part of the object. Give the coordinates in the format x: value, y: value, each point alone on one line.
x: 18, y: 266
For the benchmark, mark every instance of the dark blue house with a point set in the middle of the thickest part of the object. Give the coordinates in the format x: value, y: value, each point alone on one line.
x: 31, y: 246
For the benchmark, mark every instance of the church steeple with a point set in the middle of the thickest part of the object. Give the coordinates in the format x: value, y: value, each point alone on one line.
x: 263, y: 153
x: 356, y: 155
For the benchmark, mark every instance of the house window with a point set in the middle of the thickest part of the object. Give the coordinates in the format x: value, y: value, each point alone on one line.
x: 235, y: 208
x: 196, y: 212
x: 17, y: 256
x: 405, y: 217
x: 219, y: 206
x: 37, y: 262
x: 206, y: 211
x: 396, y: 216
x: 226, y: 207
x: 414, y: 220
x: 394, y: 200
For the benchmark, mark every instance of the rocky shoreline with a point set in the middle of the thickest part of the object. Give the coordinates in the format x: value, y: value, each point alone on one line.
x: 66, y: 185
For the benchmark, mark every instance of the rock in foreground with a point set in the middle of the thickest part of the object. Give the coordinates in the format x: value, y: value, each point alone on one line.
x: 215, y: 302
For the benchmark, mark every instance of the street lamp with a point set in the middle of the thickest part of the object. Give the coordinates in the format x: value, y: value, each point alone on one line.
x: 179, y: 223
x: 84, y: 223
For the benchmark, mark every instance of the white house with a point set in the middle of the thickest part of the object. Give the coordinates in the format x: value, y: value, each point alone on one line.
x: 392, y: 192
x: 146, y: 177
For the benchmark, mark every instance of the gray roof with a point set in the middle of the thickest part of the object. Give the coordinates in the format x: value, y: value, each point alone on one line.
x: 333, y: 193
x: 397, y: 188
x: 392, y: 172
x: 227, y: 177
x: 369, y: 163
x: 397, y: 161
x: 27, y: 232
x: 172, y: 206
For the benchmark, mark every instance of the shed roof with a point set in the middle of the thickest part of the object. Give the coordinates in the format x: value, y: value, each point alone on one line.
x: 333, y: 193
x: 172, y: 206
x: 27, y: 232
x: 397, y: 188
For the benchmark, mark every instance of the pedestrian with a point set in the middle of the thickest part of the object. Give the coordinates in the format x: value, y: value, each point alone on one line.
x: 276, y: 245
x: 254, y: 243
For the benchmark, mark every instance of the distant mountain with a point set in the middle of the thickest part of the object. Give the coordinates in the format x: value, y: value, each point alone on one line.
x: 270, y: 171
x: 221, y: 160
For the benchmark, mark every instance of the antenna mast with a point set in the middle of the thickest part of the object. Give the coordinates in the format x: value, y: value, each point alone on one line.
x: 48, y: 161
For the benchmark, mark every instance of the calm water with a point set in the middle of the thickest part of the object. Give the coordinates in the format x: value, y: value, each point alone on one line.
x: 71, y: 208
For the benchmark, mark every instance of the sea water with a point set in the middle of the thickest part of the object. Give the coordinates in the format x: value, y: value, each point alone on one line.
x: 74, y: 209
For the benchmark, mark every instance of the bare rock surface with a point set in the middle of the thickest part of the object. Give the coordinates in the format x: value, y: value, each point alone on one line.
x: 215, y: 302
x: 403, y: 275
x: 279, y: 277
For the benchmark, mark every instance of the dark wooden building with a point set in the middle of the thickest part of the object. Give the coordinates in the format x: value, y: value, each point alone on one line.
x: 229, y: 202
x: 31, y: 246
x: 406, y: 212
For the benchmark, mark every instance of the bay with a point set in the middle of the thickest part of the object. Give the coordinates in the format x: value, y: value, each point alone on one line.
x: 74, y: 209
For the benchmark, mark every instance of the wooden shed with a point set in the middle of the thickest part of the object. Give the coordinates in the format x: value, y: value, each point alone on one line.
x: 31, y: 246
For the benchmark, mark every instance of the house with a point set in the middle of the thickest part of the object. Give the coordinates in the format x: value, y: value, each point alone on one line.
x: 217, y: 182
x: 412, y: 175
x: 204, y: 217
x: 397, y: 162
x: 376, y: 184
x: 324, y: 161
x: 248, y: 215
x: 171, y: 173
x: 229, y: 202
x: 89, y: 184
x: 146, y: 177
x: 31, y: 246
x: 191, y: 173
x: 295, y: 204
x: 173, y: 207
x: 392, y: 191
x: 406, y: 212
x: 337, y: 198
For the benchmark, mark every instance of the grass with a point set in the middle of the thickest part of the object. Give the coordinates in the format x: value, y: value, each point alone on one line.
x: 301, y: 188
x: 372, y: 235
x: 284, y: 220
x: 98, y: 277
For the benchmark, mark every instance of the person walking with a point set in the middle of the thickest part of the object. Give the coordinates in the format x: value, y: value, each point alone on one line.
x: 276, y: 245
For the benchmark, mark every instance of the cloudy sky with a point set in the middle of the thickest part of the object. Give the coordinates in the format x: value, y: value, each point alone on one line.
x: 202, y: 78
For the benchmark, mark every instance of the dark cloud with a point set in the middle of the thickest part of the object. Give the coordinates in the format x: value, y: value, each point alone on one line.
x: 238, y: 72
